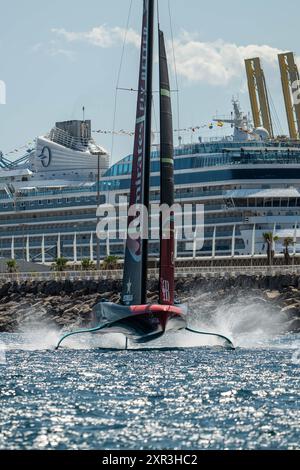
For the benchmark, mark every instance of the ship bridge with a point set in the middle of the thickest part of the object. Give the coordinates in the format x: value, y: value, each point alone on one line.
x: 67, y: 152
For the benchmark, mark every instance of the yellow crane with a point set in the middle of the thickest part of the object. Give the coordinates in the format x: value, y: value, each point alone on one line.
x: 259, y: 95
x: 290, y: 86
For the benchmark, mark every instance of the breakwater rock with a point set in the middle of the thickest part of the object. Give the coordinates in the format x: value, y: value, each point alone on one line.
x: 69, y: 303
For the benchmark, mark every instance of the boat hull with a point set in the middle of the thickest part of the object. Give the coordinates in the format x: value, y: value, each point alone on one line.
x: 141, y: 323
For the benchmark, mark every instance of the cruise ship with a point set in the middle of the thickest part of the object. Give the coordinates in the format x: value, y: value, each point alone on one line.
x: 48, y: 197
x: 248, y: 183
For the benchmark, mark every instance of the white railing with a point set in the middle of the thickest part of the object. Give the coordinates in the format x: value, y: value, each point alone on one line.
x: 213, y: 271
x: 64, y: 138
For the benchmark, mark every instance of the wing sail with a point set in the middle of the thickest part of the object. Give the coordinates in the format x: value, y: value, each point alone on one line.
x: 167, y: 264
x: 136, y: 252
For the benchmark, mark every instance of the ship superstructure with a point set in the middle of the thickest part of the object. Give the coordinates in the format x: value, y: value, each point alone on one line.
x: 248, y: 183
x: 50, y: 195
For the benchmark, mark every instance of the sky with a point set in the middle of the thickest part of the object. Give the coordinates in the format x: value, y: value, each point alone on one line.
x: 60, y: 55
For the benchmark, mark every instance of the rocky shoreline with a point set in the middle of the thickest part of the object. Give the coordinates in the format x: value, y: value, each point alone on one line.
x: 69, y: 304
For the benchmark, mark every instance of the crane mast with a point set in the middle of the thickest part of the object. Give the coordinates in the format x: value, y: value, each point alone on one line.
x: 290, y: 86
x: 259, y: 95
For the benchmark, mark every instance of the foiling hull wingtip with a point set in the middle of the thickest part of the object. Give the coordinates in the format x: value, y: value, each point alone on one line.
x: 216, y: 335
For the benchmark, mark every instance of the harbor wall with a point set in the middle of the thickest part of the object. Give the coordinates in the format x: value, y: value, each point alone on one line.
x: 66, y: 303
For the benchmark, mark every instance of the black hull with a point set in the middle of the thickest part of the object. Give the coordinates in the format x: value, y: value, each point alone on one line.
x: 142, y: 323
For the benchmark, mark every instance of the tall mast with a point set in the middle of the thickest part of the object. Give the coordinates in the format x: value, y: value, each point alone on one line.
x: 136, y: 253
x: 167, y: 263
x: 148, y: 136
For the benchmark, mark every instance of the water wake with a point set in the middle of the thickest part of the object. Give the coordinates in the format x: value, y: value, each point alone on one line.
x: 37, y: 339
x: 250, y: 321
x: 247, y: 319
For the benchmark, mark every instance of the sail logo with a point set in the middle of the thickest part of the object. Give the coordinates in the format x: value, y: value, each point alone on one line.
x: 140, y: 164
x: 134, y: 243
x: 2, y: 92
x: 45, y: 157
x: 140, y: 123
x: 165, y: 288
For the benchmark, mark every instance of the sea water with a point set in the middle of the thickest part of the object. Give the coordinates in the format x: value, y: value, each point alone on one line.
x: 192, y: 394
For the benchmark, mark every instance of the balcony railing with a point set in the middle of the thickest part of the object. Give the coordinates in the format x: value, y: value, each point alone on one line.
x: 187, y: 271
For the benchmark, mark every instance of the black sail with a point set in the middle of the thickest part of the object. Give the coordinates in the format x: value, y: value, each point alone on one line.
x: 166, y: 278
x: 136, y: 252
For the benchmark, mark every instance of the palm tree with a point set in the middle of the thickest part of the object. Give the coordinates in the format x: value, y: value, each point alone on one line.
x: 287, y: 242
x: 110, y: 262
x: 60, y: 264
x: 87, y: 264
x: 12, y: 266
x: 270, y: 239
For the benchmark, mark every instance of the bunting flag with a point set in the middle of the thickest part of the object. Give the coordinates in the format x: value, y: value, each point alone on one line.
x: 122, y: 132
x: 186, y: 129
x: 22, y: 147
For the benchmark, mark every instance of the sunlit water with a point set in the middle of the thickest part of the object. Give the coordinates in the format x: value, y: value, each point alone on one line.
x: 204, y: 397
